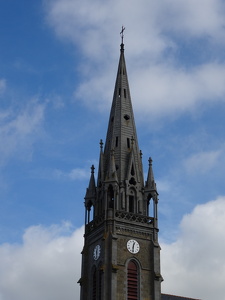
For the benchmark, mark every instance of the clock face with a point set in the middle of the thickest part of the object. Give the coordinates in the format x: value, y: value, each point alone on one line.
x: 133, y: 246
x: 96, y: 252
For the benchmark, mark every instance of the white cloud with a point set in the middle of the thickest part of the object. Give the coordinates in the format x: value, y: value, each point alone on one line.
x: 45, y: 266
x: 2, y: 86
x: 19, y: 129
x: 91, y: 24
x: 158, y: 88
x: 74, y: 174
x: 203, y: 162
x: 56, y: 101
x: 191, y: 18
x: 194, y: 265
x: 164, y: 89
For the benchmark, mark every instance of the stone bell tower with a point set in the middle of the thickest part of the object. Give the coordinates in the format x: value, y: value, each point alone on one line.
x: 121, y: 254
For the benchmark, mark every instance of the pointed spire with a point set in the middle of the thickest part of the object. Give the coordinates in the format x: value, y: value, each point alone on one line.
x: 91, y: 190
x: 121, y: 134
x: 150, y: 183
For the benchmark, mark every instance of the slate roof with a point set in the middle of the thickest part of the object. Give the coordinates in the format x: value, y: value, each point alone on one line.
x: 173, y: 297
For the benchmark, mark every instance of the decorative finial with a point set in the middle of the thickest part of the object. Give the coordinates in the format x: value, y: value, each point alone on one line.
x: 150, y: 161
x: 92, y: 169
x: 101, y: 144
x: 122, y: 35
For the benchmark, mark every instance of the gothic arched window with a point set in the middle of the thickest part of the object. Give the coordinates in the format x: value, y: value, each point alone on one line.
x: 94, y: 284
x: 100, y: 282
x: 132, y: 205
x: 110, y: 195
x: 132, y: 281
x: 149, y: 209
x: 89, y: 215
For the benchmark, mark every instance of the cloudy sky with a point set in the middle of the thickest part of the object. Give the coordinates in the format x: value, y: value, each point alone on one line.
x: 58, y: 63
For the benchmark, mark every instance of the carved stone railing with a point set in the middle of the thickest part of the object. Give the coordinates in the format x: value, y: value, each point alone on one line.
x: 122, y: 215
x: 133, y: 217
x: 93, y: 224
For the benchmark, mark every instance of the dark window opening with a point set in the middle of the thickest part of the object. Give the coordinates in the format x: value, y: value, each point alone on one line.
x: 132, y: 170
x: 100, y: 284
x: 131, y: 204
x: 110, y: 197
x: 132, y: 181
x: 125, y: 93
x: 94, y: 288
x: 117, y: 141
x: 132, y: 281
x: 126, y: 117
x: 128, y: 143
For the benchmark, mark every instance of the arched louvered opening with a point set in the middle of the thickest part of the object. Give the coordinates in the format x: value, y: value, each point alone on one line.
x: 152, y: 206
x: 132, y: 170
x: 149, y: 209
x: 89, y: 216
x: 132, y: 281
x: 132, y: 199
x: 94, y: 285
x: 131, y: 204
x: 110, y: 195
x: 100, y: 282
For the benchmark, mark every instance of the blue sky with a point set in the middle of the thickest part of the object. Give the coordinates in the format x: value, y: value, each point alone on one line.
x: 58, y: 63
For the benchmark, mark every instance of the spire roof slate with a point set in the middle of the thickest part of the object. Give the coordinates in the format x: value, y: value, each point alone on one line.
x: 121, y: 134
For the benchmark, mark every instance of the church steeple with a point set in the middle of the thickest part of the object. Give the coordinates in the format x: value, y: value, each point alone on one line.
x: 121, y: 255
x: 121, y: 134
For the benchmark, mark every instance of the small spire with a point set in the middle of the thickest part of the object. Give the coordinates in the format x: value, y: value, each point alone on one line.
x: 91, y: 190
x: 150, y: 183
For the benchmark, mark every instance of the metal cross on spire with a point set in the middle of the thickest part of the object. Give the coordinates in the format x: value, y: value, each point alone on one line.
x: 121, y: 33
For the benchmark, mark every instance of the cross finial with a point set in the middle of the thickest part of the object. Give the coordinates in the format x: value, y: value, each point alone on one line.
x: 92, y: 169
x: 122, y: 35
x: 101, y: 144
x: 150, y: 161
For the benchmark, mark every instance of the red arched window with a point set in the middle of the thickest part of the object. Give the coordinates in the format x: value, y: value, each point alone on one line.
x: 132, y: 281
